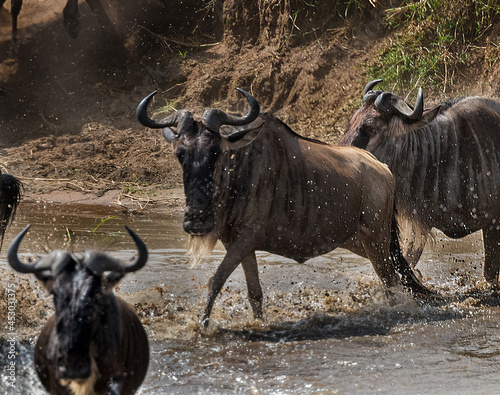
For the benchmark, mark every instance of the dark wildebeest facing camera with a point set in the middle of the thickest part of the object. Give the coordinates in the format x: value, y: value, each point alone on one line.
x: 94, y: 343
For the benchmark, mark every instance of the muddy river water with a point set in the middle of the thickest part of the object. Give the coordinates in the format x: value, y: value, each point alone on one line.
x: 328, y: 329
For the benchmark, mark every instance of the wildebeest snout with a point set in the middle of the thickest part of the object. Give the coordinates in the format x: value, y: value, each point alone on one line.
x: 198, y: 224
x: 77, y: 369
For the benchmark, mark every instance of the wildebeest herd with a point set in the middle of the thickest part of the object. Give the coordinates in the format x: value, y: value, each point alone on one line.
x: 254, y: 184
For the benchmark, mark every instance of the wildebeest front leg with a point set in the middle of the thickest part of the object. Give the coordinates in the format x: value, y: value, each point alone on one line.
x: 235, y: 254
x: 15, y: 9
x: 251, y: 271
x: 491, y: 240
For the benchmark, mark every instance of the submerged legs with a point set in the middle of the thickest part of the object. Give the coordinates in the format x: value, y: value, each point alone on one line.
x: 251, y: 270
x: 234, y: 256
x: 491, y: 239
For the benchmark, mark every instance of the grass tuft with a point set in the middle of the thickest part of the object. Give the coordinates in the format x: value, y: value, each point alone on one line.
x: 434, y: 42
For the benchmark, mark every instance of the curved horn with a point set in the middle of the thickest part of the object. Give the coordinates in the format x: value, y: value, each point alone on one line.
x: 370, y: 86
x: 419, y: 107
x: 142, y: 113
x: 99, y: 262
x: 214, y: 119
x: 12, y: 257
x: 177, y: 119
x: 39, y: 266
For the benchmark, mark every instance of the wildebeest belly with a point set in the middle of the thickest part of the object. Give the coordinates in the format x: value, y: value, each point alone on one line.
x: 299, y: 250
x: 458, y: 226
x: 312, y: 229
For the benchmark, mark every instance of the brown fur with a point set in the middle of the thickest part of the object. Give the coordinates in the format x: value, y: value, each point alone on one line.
x: 300, y: 198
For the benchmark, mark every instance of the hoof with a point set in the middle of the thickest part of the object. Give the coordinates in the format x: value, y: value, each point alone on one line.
x: 209, y: 326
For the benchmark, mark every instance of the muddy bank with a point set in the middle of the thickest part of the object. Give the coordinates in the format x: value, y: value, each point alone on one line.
x: 134, y: 169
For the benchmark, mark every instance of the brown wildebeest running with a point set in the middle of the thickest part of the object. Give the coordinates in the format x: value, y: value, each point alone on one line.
x: 10, y: 195
x: 446, y: 163
x: 264, y: 187
x: 94, y: 343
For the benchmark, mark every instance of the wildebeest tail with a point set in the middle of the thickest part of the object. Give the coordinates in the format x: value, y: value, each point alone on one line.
x: 408, y: 278
x: 10, y: 195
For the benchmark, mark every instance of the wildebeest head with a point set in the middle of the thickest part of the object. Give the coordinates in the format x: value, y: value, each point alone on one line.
x: 198, y: 145
x: 383, y: 114
x: 81, y: 289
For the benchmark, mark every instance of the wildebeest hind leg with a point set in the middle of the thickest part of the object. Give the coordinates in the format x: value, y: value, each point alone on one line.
x: 251, y: 271
x: 491, y: 239
x: 374, y: 235
x: 235, y: 254
x: 377, y: 249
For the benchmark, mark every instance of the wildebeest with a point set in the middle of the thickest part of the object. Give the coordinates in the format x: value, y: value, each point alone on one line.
x: 94, y: 343
x: 15, y: 8
x: 10, y: 195
x: 264, y: 187
x: 446, y: 163
x: 71, y: 17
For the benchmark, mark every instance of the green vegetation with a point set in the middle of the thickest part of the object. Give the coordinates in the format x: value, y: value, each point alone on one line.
x: 435, y: 39
x: 169, y: 106
x: 310, y: 17
x: 130, y: 189
x: 102, y: 221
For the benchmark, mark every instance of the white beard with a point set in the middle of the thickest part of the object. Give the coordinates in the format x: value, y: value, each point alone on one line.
x: 199, y: 247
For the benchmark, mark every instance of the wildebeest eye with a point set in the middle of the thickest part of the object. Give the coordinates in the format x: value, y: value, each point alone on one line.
x: 365, y: 130
x: 363, y: 137
x: 181, y: 153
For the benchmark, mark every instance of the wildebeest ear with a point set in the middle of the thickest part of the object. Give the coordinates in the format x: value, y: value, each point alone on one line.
x: 169, y: 134
x: 47, y: 281
x: 234, y: 137
x: 427, y: 117
x: 110, y: 279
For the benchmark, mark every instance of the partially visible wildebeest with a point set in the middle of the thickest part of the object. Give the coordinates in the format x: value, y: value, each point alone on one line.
x: 10, y: 195
x: 71, y: 17
x: 15, y: 8
x: 263, y: 187
x: 446, y: 163
x: 94, y: 343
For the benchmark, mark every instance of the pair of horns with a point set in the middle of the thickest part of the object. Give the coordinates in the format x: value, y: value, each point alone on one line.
x: 212, y: 119
x: 387, y: 102
x: 97, y: 262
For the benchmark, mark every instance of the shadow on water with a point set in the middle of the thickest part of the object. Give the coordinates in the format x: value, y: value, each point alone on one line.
x: 321, y: 326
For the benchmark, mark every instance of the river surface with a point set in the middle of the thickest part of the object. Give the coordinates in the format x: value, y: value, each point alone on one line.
x: 329, y: 327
